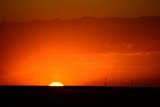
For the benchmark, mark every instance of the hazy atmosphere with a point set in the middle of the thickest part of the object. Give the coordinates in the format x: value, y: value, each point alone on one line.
x: 80, y: 42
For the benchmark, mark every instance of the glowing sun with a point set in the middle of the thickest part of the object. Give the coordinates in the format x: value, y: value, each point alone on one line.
x: 56, y: 84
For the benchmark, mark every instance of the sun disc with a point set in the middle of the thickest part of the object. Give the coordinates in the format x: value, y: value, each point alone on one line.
x: 55, y: 84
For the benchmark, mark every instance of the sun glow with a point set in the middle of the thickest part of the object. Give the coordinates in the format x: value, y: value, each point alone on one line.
x: 56, y: 84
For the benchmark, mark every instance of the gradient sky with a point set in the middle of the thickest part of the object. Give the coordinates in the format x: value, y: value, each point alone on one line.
x: 47, y: 9
x: 81, y: 51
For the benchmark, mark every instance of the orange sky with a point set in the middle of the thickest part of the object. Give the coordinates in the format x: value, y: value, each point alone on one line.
x: 81, y: 52
x: 48, y: 9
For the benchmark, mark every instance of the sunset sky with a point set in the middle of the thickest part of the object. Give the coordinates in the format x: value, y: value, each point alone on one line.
x: 81, y: 51
x: 47, y: 9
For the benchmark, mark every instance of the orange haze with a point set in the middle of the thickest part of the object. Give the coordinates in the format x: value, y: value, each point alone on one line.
x: 81, y: 52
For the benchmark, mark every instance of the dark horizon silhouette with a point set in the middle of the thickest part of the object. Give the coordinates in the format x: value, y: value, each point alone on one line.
x: 78, y: 96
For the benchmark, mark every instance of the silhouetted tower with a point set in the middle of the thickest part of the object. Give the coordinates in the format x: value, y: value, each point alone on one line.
x: 132, y: 83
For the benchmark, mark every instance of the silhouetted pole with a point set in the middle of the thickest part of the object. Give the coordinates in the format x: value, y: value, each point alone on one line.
x: 105, y: 81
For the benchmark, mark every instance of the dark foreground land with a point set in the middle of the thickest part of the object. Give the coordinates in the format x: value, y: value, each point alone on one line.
x: 78, y: 96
